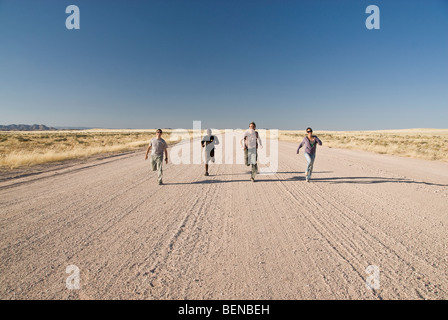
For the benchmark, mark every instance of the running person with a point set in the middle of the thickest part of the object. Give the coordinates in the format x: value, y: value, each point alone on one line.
x: 157, y: 146
x: 251, y: 141
x: 310, y: 142
x: 209, y: 142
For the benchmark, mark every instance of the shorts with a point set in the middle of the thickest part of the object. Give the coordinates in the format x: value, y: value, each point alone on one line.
x: 210, y: 156
x: 156, y: 162
x: 252, y: 156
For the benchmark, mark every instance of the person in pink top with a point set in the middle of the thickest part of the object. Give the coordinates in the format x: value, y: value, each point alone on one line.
x: 310, y: 142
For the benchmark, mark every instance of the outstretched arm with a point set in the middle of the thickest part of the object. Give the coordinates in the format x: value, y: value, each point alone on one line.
x: 259, y: 141
x: 241, y: 143
x: 300, y: 146
x: 147, y: 151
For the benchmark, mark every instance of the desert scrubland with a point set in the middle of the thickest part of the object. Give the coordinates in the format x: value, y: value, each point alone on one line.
x: 22, y: 149
x: 428, y: 144
x: 19, y: 149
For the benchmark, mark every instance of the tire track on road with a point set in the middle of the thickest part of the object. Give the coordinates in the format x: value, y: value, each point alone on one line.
x: 367, y: 237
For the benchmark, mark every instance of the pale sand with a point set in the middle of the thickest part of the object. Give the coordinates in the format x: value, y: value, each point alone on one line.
x: 224, y: 237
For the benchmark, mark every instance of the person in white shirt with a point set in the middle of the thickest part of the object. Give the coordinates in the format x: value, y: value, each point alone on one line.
x: 250, y: 143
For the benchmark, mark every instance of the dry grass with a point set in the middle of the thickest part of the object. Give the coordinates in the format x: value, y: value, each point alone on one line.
x: 19, y: 149
x: 428, y: 144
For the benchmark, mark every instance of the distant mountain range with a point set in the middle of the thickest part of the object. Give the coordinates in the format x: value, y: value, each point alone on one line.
x: 25, y: 127
x: 36, y: 127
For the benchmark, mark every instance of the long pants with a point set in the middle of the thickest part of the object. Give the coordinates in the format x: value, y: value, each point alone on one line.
x: 251, y: 159
x: 310, y: 162
x: 156, y: 164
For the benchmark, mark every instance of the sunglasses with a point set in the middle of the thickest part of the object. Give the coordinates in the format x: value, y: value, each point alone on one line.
x: 309, y: 131
x: 159, y: 132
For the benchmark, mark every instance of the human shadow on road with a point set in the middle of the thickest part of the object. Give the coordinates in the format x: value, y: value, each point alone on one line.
x: 207, y: 181
x: 214, y: 181
x: 294, y: 172
x: 278, y: 172
x: 373, y: 180
x: 333, y: 180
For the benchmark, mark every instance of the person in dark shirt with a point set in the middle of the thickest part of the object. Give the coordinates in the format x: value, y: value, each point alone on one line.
x: 209, y: 142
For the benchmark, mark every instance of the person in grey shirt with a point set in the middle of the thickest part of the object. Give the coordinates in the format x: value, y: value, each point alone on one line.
x: 251, y: 142
x: 158, y: 147
x: 310, y: 142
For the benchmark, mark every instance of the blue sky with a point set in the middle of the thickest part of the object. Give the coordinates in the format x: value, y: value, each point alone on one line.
x: 283, y: 64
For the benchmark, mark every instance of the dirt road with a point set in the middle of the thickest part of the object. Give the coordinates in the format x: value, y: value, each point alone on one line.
x: 224, y: 237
